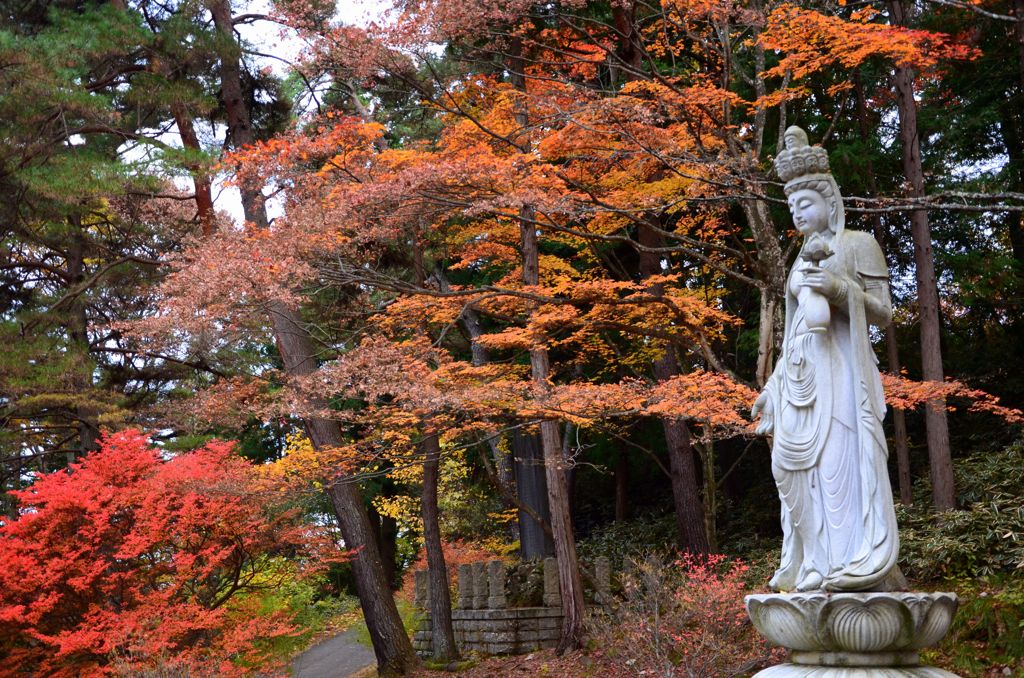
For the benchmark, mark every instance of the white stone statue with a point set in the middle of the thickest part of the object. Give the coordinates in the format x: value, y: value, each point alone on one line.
x: 824, y: 404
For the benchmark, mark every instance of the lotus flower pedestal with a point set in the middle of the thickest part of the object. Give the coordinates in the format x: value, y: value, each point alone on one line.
x: 853, y: 635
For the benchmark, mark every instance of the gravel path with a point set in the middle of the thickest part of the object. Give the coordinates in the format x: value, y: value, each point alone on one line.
x: 336, y: 657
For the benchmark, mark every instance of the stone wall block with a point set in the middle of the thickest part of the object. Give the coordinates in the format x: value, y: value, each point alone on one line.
x: 496, y: 585
x: 549, y: 623
x: 603, y: 579
x: 422, y: 580
x: 465, y: 587
x: 479, y: 586
x: 552, y: 590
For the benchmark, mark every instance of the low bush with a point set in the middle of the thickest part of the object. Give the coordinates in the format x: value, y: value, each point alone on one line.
x: 985, y: 538
x: 684, y: 617
x: 625, y: 539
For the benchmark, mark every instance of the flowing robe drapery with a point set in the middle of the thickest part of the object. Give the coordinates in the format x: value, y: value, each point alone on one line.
x: 829, y: 455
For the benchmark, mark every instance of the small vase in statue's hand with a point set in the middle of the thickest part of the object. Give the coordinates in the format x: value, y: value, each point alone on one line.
x: 816, y: 310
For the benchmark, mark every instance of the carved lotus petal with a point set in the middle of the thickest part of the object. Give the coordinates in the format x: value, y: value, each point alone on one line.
x: 870, y: 624
x: 935, y: 616
x: 786, y: 621
x: 862, y: 623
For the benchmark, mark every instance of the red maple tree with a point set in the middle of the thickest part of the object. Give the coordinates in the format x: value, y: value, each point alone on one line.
x: 135, y: 558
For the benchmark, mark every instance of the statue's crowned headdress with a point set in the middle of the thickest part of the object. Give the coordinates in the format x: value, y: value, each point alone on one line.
x: 800, y: 161
x: 803, y: 166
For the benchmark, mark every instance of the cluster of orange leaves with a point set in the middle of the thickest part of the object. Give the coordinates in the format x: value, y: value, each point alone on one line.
x: 595, y: 165
x: 907, y: 394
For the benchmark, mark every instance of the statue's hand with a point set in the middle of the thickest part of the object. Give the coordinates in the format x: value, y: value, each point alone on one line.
x: 824, y: 282
x: 766, y: 408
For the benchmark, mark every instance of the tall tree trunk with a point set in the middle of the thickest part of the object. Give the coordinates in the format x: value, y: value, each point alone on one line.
x: 385, y: 532
x: 532, y: 492
x: 899, y: 417
x: 521, y: 474
x: 622, y: 486
x: 481, y: 356
x: 939, y: 456
x: 1010, y: 129
x: 772, y: 272
x: 200, y: 180
x: 1013, y: 133
x: 391, y: 645
x: 691, y: 532
x: 554, y: 469
x: 442, y: 641
x: 691, y: 522
x: 540, y: 368
x: 77, y: 325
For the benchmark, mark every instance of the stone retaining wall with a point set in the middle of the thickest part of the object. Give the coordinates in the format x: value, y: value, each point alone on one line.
x: 481, y: 620
x: 516, y: 630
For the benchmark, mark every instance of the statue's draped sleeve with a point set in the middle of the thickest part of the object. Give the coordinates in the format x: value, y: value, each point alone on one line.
x: 872, y: 276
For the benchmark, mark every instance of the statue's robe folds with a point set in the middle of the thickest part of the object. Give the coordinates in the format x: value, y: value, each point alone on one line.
x: 829, y: 452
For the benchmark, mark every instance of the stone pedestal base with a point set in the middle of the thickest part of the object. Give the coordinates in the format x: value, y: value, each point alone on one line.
x: 853, y: 635
x: 799, y: 671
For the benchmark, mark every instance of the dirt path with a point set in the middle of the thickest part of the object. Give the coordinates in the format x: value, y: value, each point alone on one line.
x: 337, y: 657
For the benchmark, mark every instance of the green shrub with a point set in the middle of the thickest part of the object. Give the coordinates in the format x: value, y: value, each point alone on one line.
x: 630, y: 539
x: 987, y: 636
x: 985, y: 537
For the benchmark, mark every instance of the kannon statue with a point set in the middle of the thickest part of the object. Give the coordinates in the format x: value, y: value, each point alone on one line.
x: 823, y: 404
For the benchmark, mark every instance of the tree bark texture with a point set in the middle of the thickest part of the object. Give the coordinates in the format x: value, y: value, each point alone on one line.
x: 385, y: 532
x: 77, y: 325
x: 201, y: 182
x: 691, y: 532
x: 532, y: 492
x: 939, y: 455
x: 899, y: 417
x: 771, y: 269
x: 391, y: 645
x: 442, y: 642
x: 554, y: 472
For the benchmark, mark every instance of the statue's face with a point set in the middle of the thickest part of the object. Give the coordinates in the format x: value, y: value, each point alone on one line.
x: 809, y: 210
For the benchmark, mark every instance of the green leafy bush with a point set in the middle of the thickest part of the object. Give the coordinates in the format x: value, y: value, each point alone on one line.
x: 984, y: 538
x: 978, y: 552
x: 630, y: 539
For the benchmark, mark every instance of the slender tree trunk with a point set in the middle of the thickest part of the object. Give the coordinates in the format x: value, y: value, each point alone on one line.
x: 481, y: 356
x: 899, y: 423
x: 442, y: 636
x: 390, y: 643
x: 385, y: 532
x: 1011, y: 132
x: 201, y: 181
x: 691, y: 529
x: 691, y: 520
x: 558, y: 491
x: 77, y: 325
x: 1011, y: 128
x: 939, y: 455
x: 532, y: 493
x: 622, y: 486
x: 442, y: 643
x: 707, y: 457
x: 899, y: 417
x: 772, y: 272
x: 554, y: 470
